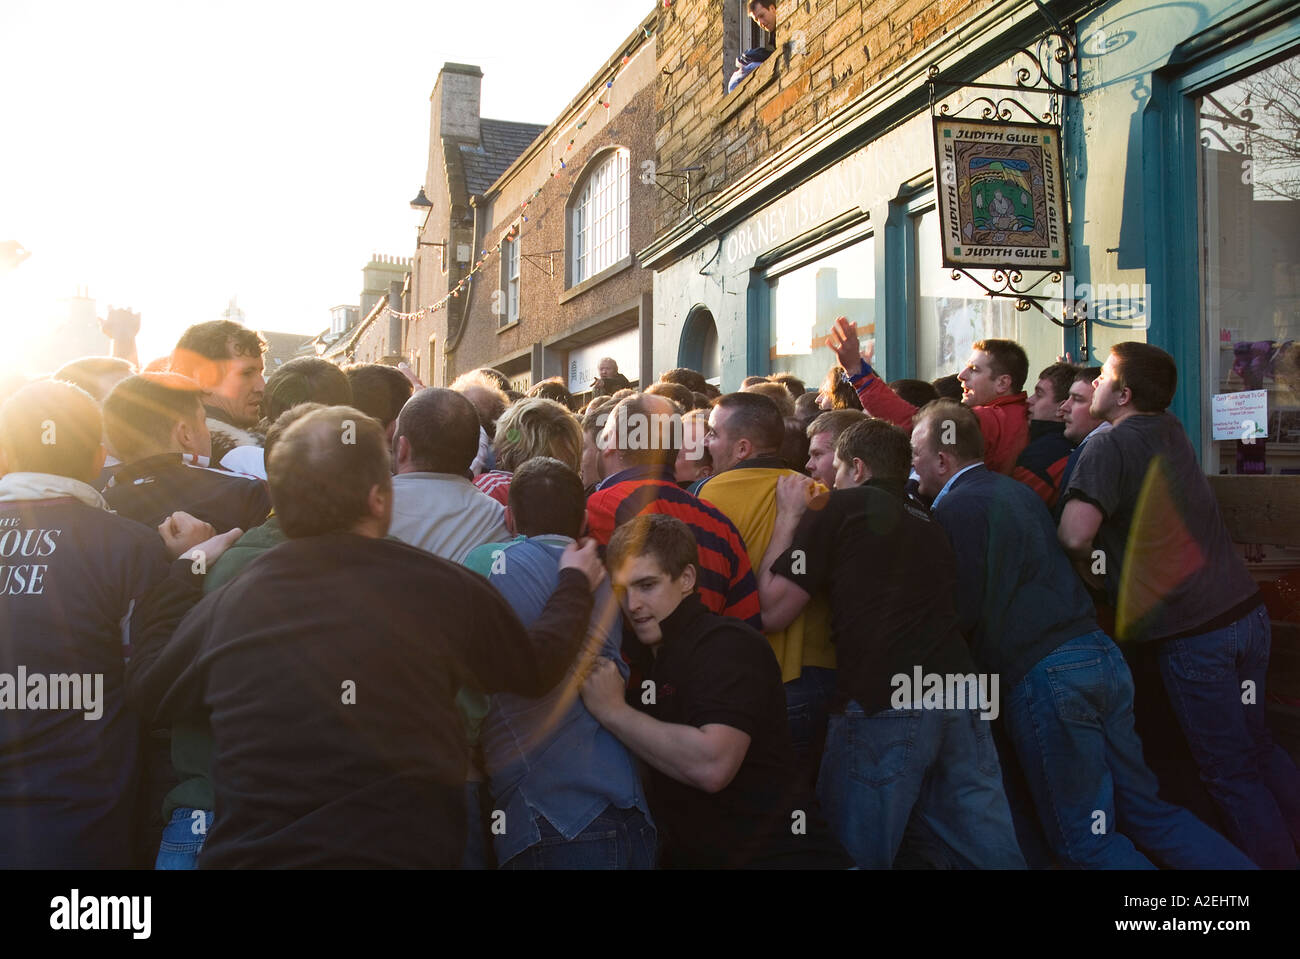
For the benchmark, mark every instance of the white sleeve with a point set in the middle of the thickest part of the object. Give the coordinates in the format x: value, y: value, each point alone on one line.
x: 248, y: 460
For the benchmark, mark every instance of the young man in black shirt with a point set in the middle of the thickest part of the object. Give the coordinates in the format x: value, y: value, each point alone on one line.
x: 710, y: 718
x: 329, y: 668
x: 891, y: 753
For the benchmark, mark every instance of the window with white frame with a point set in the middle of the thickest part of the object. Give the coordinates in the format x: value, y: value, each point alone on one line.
x: 509, y: 307
x: 599, y: 234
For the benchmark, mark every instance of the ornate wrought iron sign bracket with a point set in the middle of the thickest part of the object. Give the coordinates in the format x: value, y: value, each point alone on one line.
x: 1000, y: 181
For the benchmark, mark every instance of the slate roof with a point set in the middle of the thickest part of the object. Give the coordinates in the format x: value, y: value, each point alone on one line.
x: 500, y: 144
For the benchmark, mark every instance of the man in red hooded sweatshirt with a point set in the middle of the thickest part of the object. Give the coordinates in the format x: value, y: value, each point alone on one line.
x: 992, y: 386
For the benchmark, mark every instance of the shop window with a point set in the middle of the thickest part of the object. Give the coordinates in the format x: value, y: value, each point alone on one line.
x: 807, y: 296
x: 949, y: 315
x: 1249, y: 184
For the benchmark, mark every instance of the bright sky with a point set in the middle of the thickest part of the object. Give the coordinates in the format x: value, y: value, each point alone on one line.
x: 169, y: 156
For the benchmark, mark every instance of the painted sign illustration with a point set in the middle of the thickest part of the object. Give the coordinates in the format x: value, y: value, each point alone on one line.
x: 1001, y: 202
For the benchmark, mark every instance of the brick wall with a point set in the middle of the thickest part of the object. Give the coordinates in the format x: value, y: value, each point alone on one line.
x: 829, y: 52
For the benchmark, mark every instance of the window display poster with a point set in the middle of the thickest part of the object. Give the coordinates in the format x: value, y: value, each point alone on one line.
x: 1240, y: 416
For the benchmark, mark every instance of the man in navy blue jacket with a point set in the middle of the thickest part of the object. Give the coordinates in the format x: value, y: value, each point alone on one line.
x: 70, y: 573
x: 1069, y: 712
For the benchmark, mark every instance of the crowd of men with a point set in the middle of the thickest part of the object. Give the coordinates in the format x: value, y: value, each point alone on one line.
x: 336, y: 618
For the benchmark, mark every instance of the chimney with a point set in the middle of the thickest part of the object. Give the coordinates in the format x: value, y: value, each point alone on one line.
x: 456, y: 102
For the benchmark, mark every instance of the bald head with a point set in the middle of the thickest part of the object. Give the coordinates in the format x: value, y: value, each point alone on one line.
x: 51, y: 427
x: 642, y: 430
x: 437, y: 432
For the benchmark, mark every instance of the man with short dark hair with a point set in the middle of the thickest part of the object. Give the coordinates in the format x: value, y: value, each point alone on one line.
x: 155, y: 421
x: 992, y: 385
x: 1069, y: 707
x: 763, y: 12
x: 569, y: 790
x: 336, y: 742
x: 823, y: 432
x: 1138, y: 497
x: 1080, y: 424
x: 1043, y: 460
x: 636, y: 456
x: 225, y: 359
x: 721, y: 770
x: 744, y: 440
x: 890, y: 575
x: 743, y: 427
x: 71, y: 572
x: 304, y: 379
x: 379, y: 391
x: 435, y: 506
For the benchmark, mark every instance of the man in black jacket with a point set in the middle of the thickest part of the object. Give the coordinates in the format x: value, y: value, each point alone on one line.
x: 330, y: 667
x: 155, y: 421
x: 892, y: 753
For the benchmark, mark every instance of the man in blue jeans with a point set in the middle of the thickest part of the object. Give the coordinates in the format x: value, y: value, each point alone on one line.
x: 1137, y: 499
x: 1069, y: 712
x: 566, y: 792
x: 893, y: 754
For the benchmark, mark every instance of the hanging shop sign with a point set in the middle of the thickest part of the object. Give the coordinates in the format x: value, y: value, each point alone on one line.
x: 1001, y: 195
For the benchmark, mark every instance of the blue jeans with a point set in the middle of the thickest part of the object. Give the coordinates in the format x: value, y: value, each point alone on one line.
x: 938, y: 766
x: 1251, y: 778
x: 183, y: 837
x: 1071, y: 722
x: 616, y: 839
x: 806, y: 702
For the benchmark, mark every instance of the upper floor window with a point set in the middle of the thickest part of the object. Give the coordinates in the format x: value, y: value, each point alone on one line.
x: 599, y: 234
x: 745, y: 28
x: 509, y: 312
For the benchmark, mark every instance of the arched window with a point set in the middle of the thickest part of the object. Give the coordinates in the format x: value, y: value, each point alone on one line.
x: 598, y: 218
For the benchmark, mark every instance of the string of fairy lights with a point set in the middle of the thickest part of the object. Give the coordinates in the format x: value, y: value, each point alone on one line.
x: 602, y: 99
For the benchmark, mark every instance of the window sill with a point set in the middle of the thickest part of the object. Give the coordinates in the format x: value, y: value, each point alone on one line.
x: 509, y: 326
x: 749, y: 88
x: 600, y: 277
